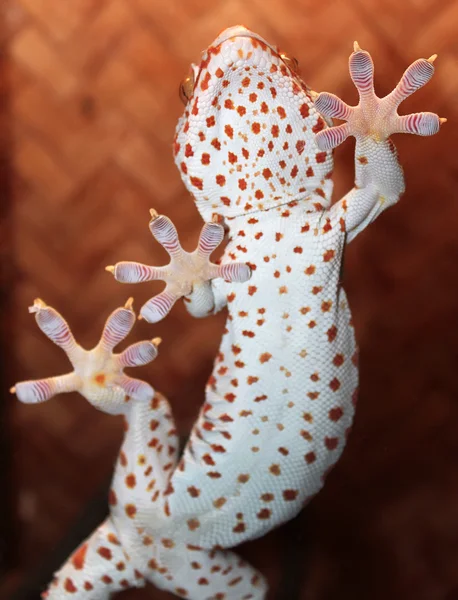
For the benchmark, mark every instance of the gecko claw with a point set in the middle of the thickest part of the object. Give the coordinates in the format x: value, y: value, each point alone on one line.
x: 356, y: 46
x: 129, y: 304
x: 110, y: 269
x: 432, y: 58
x: 442, y: 120
x: 13, y: 390
x: 38, y: 305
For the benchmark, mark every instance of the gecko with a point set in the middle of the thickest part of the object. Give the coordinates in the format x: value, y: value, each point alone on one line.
x: 124, y: 551
x: 254, y: 148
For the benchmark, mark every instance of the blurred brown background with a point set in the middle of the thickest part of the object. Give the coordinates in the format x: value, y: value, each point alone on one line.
x: 89, y: 107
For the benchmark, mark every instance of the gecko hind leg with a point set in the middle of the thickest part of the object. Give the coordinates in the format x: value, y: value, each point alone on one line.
x: 97, y: 569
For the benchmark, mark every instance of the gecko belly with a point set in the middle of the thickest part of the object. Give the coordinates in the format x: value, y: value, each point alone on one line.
x: 280, y: 399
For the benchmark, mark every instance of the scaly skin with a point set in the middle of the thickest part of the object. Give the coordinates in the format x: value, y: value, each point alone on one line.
x: 123, y: 552
x: 254, y: 151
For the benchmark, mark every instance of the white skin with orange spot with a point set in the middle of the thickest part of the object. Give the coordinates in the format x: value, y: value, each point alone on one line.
x: 253, y: 149
x: 124, y: 552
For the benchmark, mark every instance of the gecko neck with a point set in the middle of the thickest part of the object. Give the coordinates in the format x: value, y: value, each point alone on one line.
x: 312, y: 206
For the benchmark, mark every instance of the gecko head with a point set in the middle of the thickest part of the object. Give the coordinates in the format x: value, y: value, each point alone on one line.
x: 246, y: 139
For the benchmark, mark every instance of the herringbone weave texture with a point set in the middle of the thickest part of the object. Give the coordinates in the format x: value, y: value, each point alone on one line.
x: 94, y: 103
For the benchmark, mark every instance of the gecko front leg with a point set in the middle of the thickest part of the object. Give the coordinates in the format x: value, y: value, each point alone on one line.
x: 379, y: 180
x: 185, y: 273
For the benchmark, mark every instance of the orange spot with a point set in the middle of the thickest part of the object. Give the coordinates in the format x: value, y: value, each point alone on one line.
x: 335, y: 384
x: 208, y: 460
x: 332, y: 333
x: 197, y: 182
x: 331, y: 442
x: 338, y: 360
x: 79, y: 556
x: 335, y: 414
x: 193, y: 524
x: 305, y: 111
x: 290, y: 495
x: 310, y: 458
x: 69, y: 586
x: 260, y: 398
x: 320, y: 157
x: 131, y: 480
x: 218, y: 448
x: 329, y: 255
x: 105, y: 553
x: 326, y: 306
x: 100, y: 379
x: 206, y: 79
x: 219, y: 502
x: 319, y: 125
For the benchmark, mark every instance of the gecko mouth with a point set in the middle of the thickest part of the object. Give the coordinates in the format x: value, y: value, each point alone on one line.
x: 239, y: 31
x: 187, y: 85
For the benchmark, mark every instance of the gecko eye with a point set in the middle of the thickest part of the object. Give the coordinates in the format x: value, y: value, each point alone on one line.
x: 291, y: 62
x: 186, y: 89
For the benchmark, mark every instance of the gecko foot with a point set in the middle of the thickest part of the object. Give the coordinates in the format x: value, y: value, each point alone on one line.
x: 185, y: 269
x: 376, y: 117
x: 98, y: 373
